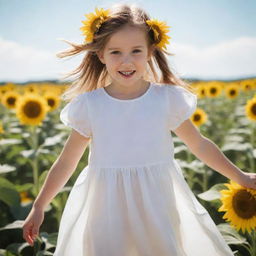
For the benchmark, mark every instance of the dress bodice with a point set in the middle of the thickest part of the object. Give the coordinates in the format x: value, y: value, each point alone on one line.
x: 130, y: 132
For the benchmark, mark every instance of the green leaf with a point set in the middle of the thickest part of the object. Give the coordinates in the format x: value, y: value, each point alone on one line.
x: 196, y: 165
x: 43, y: 151
x: 8, y: 193
x: 3, y: 252
x: 178, y: 149
x: 6, y: 168
x: 231, y: 235
x: 235, y: 146
x: 213, y: 193
x: 233, y: 138
x: 239, y: 131
x: 16, y: 224
x: 30, y: 153
x: 24, y: 187
x: 52, y: 141
x: 10, y: 142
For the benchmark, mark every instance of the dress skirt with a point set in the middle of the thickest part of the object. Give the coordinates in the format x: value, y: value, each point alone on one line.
x: 144, y: 210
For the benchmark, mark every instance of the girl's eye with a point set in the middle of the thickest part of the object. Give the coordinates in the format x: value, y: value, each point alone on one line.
x: 118, y: 51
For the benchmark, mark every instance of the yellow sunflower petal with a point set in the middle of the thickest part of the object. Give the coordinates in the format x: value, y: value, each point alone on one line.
x: 93, y: 23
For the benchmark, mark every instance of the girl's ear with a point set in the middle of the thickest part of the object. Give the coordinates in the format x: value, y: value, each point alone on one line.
x: 101, y: 58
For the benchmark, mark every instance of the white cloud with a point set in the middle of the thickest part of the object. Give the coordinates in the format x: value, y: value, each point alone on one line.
x: 21, y: 63
x: 231, y: 59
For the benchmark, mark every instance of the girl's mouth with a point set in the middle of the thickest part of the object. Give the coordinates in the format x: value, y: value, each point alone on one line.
x: 126, y: 74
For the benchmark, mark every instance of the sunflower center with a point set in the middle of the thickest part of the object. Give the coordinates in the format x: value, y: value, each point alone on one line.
x: 244, y: 204
x: 253, y: 109
x: 197, y: 117
x: 51, y: 102
x: 232, y: 92
x: 32, y: 109
x: 11, y: 101
x: 213, y: 90
x: 247, y: 86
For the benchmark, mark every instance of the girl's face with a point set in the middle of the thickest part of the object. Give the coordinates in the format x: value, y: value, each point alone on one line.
x: 126, y: 51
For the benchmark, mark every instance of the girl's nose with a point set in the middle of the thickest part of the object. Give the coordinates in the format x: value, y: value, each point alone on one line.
x: 126, y: 59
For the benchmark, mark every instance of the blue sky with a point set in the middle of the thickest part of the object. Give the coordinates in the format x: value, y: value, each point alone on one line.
x: 210, y: 39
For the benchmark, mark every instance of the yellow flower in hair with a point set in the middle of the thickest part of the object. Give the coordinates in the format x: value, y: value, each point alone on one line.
x: 160, y: 30
x: 93, y: 23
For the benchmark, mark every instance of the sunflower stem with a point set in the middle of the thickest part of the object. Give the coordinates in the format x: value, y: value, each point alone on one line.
x: 252, y: 147
x: 34, y: 160
x: 205, y: 180
x: 253, y: 244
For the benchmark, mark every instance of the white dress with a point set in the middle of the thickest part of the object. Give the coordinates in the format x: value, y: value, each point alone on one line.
x: 132, y: 199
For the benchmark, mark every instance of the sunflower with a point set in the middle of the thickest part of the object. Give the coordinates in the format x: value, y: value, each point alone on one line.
x: 25, y: 199
x: 53, y: 101
x: 31, y: 88
x: 200, y: 89
x: 213, y: 89
x: 9, y: 99
x: 10, y: 86
x: 232, y: 90
x: 93, y: 23
x: 247, y: 85
x: 239, y: 203
x: 56, y: 89
x: 3, y: 89
x: 160, y: 30
x: 31, y: 109
x: 250, y: 109
x: 199, y: 117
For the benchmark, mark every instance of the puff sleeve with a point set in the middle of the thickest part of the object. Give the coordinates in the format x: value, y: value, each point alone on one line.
x: 75, y: 115
x: 181, y: 104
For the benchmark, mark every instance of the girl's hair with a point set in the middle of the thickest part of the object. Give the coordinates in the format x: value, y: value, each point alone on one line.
x: 92, y: 73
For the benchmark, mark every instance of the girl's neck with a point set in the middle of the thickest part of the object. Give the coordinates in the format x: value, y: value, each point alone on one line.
x: 127, y: 91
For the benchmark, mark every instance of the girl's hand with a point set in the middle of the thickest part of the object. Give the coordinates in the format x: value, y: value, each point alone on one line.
x: 248, y: 180
x: 32, y: 224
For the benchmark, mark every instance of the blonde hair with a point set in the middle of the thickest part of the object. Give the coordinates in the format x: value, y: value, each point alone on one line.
x: 92, y: 73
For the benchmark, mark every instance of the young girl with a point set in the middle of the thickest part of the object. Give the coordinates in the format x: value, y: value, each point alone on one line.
x: 131, y: 199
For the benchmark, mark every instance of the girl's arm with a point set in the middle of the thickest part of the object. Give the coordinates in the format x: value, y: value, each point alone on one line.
x: 56, y: 178
x: 208, y: 152
x: 62, y: 169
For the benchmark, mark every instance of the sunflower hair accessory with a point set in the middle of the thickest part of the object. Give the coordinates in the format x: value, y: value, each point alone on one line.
x: 160, y: 30
x: 95, y: 20
x: 93, y: 23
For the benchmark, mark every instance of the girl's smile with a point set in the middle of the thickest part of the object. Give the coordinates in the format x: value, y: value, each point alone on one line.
x: 127, y: 74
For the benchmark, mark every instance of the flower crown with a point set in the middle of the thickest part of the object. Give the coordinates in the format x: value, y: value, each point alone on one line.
x: 94, y: 21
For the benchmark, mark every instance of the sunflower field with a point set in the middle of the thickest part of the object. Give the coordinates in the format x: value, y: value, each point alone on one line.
x: 32, y: 137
